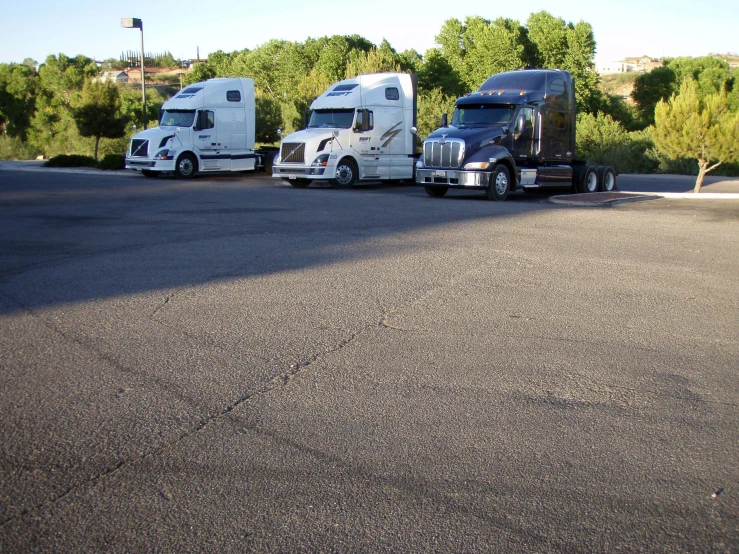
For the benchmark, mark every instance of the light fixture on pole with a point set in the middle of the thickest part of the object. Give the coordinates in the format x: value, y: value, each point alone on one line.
x: 134, y: 23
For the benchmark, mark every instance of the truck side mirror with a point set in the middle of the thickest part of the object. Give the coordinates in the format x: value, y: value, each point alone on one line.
x: 521, y: 124
x: 444, y: 120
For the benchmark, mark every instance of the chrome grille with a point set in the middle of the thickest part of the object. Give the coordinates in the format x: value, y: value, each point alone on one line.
x: 292, y: 153
x: 139, y: 148
x: 443, y: 153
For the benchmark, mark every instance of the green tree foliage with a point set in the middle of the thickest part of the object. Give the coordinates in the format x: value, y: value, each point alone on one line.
x: 268, y: 119
x: 17, y: 98
x: 479, y: 48
x: 548, y: 34
x: 431, y: 105
x: 98, y: 113
x: 650, y: 88
x: 688, y: 126
x: 601, y: 140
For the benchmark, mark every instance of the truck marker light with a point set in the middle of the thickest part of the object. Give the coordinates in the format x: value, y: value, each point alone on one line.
x: 523, y: 92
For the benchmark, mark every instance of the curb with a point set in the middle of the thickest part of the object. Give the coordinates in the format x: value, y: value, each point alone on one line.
x: 38, y: 168
x: 602, y: 198
x: 611, y: 198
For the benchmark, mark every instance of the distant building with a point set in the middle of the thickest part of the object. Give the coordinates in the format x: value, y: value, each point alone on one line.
x: 113, y: 77
x: 134, y: 74
x: 641, y: 64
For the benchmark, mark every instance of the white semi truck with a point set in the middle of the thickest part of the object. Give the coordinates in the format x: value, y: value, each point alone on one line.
x: 360, y: 128
x: 206, y: 127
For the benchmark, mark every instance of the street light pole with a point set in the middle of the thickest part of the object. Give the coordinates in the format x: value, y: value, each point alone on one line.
x: 134, y: 23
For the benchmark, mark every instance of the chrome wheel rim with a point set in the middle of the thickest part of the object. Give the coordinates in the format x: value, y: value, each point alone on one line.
x: 344, y: 174
x: 501, y: 183
x: 186, y: 166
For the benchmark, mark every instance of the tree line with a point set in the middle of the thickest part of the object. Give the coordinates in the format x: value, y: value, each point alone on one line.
x: 38, y: 106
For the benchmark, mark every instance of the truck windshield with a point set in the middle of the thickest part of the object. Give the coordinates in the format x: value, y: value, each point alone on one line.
x: 341, y: 119
x: 482, y: 114
x: 177, y: 118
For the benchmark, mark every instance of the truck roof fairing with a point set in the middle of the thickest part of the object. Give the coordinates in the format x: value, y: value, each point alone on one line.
x: 366, y: 90
x: 213, y: 93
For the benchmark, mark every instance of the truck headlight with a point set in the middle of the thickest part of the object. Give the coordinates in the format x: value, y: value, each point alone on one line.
x: 165, y: 155
x: 419, y: 163
x: 477, y: 165
x: 320, y: 161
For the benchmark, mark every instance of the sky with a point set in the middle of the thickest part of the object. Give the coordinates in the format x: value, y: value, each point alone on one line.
x: 654, y: 28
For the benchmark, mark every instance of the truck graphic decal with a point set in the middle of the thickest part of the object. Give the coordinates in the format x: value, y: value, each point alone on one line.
x: 390, y: 134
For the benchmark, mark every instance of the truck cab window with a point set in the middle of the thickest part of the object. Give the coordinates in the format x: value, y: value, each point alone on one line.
x: 177, y: 118
x: 482, y: 114
x: 206, y: 120
x: 233, y: 96
x: 365, y: 121
x: 340, y: 118
x: 391, y: 93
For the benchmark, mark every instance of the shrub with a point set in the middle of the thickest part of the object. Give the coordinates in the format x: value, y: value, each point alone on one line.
x: 113, y: 161
x: 603, y: 141
x: 13, y: 148
x: 73, y: 160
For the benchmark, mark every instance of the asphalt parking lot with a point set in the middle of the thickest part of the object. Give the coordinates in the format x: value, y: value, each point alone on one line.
x: 230, y: 364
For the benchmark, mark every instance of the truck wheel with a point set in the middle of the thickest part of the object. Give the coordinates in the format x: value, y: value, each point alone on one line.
x: 149, y: 173
x: 607, y: 178
x: 186, y: 166
x: 299, y: 183
x: 436, y: 192
x: 500, y: 183
x: 346, y: 174
x: 589, y: 181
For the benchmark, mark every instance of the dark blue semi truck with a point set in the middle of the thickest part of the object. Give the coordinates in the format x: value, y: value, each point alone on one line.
x: 516, y: 132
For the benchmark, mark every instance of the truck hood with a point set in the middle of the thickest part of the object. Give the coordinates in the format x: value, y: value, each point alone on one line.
x: 309, y: 135
x: 159, y: 137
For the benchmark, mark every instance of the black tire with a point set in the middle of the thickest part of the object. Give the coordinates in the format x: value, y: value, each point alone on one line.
x: 149, y: 173
x: 299, y: 183
x: 500, y: 183
x: 186, y: 166
x: 267, y: 163
x: 436, y: 192
x: 589, y: 181
x: 607, y: 178
x: 346, y: 174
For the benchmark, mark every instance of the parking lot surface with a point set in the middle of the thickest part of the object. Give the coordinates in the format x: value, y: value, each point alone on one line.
x: 230, y: 364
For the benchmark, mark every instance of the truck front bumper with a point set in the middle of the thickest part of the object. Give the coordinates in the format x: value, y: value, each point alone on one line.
x: 152, y: 165
x: 452, y: 178
x: 292, y: 171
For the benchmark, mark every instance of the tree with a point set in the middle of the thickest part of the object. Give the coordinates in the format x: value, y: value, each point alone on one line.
x: 98, y: 113
x: 549, y: 37
x: 650, y: 88
x: 688, y: 126
x: 17, y: 98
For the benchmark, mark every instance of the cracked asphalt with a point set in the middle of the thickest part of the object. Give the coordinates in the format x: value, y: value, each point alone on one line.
x: 229, y: 364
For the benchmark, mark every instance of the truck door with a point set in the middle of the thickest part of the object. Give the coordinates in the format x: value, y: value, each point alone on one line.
x: 205, y: 132
x: 364, y: 141
x: 523, y: 134
x: 212, y: 156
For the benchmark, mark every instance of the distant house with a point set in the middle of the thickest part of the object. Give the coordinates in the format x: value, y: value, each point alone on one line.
x: 113, y: 77
x: 134, y: 74
x: 641, y: 64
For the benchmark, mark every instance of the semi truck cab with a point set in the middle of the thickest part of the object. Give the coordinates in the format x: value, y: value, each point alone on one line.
x: 360, y: 128
x: 517, y: 131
